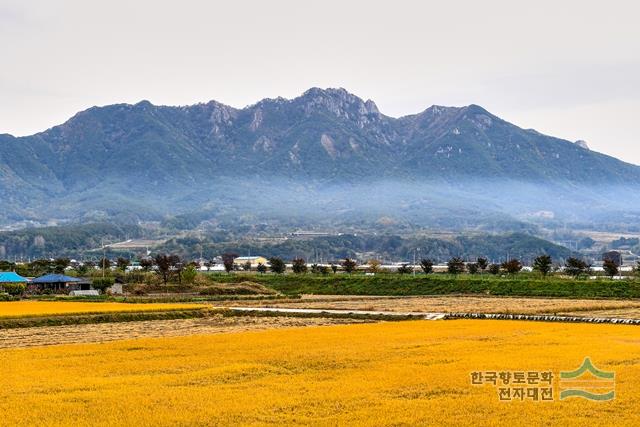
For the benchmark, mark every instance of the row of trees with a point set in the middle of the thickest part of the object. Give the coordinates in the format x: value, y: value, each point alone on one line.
x: 37, y: 267
x: 60, y: 265
x: 543, y: 264
x: 298, y: 266
x: 171, y: 268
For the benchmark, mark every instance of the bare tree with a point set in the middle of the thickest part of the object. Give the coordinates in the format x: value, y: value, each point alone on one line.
x: 405, y: 269
x: 483, y: 263
x: 455, y: 265
x: 426, y: 265
x: 349, y: 265
x: 227, y: 260
x: 277, y: 265
x: 576, y: 267
x: 146, y: 264
x: 163, y: 262
x: 299, y: 266
x: 512, y: 266
x: 122, y: 263
x: 473, y: 268
x: 610, y: 267
x: 543, y: 264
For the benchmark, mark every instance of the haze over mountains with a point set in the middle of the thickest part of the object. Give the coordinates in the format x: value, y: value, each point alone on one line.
x: 326, y: 154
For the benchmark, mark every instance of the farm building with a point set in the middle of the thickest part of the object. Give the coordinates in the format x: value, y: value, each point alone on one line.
x: 254, y: 260
x: 59, y: 283
x: 10, y: 278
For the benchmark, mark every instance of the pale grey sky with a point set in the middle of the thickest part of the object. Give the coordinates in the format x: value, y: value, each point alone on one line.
x: 566, y: 68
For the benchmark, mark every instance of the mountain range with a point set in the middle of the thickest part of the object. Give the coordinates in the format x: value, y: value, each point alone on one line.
x: 326, y: 151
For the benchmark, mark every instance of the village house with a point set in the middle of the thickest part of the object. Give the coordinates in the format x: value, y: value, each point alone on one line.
x: 10, y: 278
x: 58, y: 284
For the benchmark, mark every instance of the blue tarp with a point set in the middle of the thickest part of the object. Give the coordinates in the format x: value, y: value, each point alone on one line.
x: 11, y: 277
x: 55, y: 278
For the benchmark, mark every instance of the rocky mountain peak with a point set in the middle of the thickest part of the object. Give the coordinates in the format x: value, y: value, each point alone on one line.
x: 144, y: 104
x: 582, y: 144
x: 371, y: 107
x: 340, y: 102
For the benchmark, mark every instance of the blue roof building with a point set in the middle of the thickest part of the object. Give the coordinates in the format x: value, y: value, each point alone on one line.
x: 55, y: 278
x: 11, y: 277
x: 59, y: 283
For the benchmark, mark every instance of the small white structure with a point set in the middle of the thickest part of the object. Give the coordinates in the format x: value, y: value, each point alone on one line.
x: 89, y: 293
x: 215, y: 267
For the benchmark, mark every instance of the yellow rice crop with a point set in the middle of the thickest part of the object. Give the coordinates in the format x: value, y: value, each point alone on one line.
x: 405, y: 373
x: 15, y: 309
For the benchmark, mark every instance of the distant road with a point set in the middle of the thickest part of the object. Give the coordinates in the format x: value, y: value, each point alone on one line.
x: 133, y: 244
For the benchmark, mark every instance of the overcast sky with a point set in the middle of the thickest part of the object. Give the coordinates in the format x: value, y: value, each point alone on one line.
x: 566, y: 68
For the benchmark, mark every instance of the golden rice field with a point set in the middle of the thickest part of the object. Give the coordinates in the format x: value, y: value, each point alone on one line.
x: 15, y: 309
x: 396, y: 373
